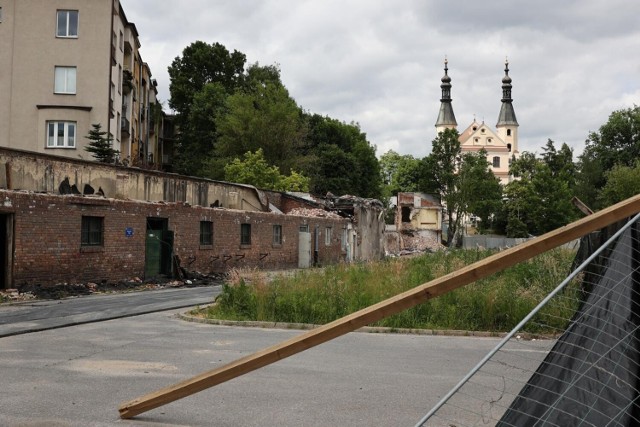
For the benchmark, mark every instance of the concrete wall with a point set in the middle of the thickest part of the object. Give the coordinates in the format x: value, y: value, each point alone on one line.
x: 47, y: 236
x: 44, y: 173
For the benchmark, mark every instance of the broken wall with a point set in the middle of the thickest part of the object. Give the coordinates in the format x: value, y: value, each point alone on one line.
x: 48, y: 250
x: 21, y: 170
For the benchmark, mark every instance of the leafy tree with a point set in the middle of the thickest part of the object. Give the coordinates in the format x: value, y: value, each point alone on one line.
x: 442, y: 170
x: 622, y: 182
x: 255, y: 170
x: 201, y: 80
x: 265, y: 118
x: 617, y: 142
x: 339, y: 159
x: 539, y: 201
x: 481, y: 191
x: 200, y: 64
x: 399, y: 173
x: 100, y: 145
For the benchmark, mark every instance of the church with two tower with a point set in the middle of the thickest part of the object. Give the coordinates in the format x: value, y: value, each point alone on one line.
x: 500, y: 144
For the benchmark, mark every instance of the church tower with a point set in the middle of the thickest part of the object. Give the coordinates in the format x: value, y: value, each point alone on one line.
x: 507, y: 127
x: 446, y: 118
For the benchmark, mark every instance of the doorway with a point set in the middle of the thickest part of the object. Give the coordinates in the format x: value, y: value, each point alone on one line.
x: 6, y: 250
x: 158, y: 248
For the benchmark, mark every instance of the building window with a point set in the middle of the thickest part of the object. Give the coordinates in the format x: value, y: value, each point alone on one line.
x: 92, y: 231
x: 67, y: 23
x: 206, y: 233
x: 508, y: 132
x: 61, y: 134
x: 496, y: 161
x: 65, y: 80
x: 121, y: 41
x: 0, y: 14
x: 245, y: 234
x: 277, y: 234
x: 119, y: 78
x: 327, y: 236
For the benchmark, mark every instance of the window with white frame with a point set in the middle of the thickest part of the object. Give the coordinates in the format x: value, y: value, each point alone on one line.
x: 327, y: 236
x: 65, y: 80
x: 67, y: 23
x: 61, y: 134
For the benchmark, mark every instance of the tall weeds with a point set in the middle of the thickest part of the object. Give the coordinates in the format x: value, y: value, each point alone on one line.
x: 318, y: 296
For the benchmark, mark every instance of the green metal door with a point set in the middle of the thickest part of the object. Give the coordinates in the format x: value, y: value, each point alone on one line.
x: 153, y: 253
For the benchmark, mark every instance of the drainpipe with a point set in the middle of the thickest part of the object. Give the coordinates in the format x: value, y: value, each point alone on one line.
x: 111, y: 60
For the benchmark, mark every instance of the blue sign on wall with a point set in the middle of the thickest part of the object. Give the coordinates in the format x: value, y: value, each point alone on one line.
x: 128, y: 231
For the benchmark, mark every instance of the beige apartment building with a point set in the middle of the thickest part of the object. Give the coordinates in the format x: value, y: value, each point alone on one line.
x: 501, y: 145
x: 69, y: 64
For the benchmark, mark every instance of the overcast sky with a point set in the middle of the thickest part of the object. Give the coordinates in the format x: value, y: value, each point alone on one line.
x: 379, y: 63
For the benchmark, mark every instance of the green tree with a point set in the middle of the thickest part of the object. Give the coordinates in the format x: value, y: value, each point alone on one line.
x: 100, y: 145
x: 442, y: 174
x: 399, y: 173
x: 622, y: 182
x: 481, y: 191
x: 200, y: 64
x: 339, y: 159
x: 617, y: 142
x: 256, y: 171
x: 264, y: 117
x: 201, y: 80
x: 538, y: 201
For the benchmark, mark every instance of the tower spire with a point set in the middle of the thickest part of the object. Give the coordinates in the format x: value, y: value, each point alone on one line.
x: 507, y: 115
x: 446, y: 118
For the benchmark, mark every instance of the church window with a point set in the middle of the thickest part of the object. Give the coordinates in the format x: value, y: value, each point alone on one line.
x: 489, y: 140
x: 482, y: 130
x: 509, y: 147
x: 496, y: 161
x: 474, y: 128
x: 508, y: 132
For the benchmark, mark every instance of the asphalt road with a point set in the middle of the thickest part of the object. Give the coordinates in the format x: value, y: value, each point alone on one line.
x: 42, y: 315
x: 79, y: 376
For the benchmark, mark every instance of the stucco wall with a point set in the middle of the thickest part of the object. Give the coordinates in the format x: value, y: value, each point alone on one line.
x: 21, y: 170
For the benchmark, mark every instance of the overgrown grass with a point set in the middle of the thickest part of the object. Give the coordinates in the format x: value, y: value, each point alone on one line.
x: 496, y: 303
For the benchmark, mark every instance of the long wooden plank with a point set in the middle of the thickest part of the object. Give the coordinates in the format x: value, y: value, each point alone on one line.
x: 393, y: 305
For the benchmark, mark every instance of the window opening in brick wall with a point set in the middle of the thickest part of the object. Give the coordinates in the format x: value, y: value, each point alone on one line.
x: 92, y: 231
x: 406, y: 214
x: 245, y: 234
x: 327, y: 236
x: 277, y: 234
x: 206, y: 233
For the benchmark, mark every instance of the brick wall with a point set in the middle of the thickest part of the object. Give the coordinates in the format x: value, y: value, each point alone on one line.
x: 47, y: 236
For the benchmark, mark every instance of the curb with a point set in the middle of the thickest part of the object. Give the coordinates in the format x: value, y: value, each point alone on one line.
x: 366, y: 329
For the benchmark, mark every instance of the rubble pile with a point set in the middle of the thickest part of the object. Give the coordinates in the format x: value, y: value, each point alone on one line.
x: 316, y: 213
x: 420, y: 243
x: 65, y: 290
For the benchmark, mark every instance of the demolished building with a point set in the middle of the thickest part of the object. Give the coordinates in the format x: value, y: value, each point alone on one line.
x: 66, y: 220
x: 418, y: 223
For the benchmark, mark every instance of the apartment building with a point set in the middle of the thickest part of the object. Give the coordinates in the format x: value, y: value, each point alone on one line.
x: 69, y: 64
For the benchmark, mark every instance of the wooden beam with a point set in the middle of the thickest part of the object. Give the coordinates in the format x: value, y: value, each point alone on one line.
x: 396, y: 304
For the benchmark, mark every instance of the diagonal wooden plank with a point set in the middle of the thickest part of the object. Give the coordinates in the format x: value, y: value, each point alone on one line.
x: 388, y: 307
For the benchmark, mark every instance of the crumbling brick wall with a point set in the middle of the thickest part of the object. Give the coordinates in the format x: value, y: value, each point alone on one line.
x: 47, y: 236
